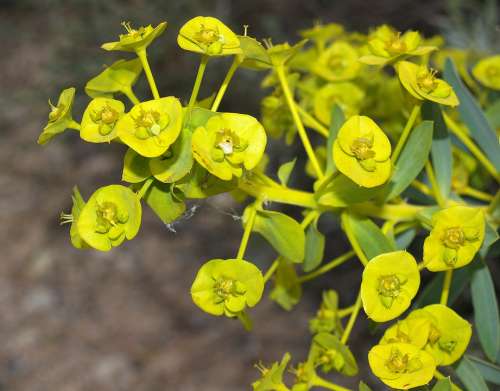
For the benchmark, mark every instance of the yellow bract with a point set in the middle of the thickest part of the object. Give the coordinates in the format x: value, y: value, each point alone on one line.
x: 99, y: 120
x: 135, y: 40
x: 338, y: 62
x: 423, y: 84
x: 449, y: 334
x: 456, y: 236
x: 401, y: 365
x: 209, y: 36
x: 487, y: 71
x: 390, y: 282
x: 362, y: 151
x: 411, y: 330
x: 348, y: 96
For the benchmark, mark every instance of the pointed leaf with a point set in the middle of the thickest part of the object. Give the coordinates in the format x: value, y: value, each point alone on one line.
x: 470, y: 376
x: 161, y: 200
x: 489, y: 371
x: 285, y: 170
x: 315, y: 248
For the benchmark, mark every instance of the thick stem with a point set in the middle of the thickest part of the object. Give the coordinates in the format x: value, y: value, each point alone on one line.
x: 222, y: 90
x: 149, y: 75
x: 446, y: 286
x: 199, y: 78
x: 298, y: 123
x: 352, y: 320
x: 406, y: 132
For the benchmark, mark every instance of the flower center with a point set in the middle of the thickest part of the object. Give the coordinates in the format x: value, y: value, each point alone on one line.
x: 131, y: 32
x: 224, y: 287
x: 426, y: 80
x: 335, y: 61
x: 106, y: 118
x: 56, y: 112
x: 395, y: 45
x: 389, y: 287
x: 361, y: 147
x: 150, y: 123
x: 401, y: 363
x: 108, y: 216
x: 207, y: 35
x: 453, y: 237
x: 332, y: 358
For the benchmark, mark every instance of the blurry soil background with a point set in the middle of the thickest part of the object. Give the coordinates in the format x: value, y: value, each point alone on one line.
x: 123, y: 320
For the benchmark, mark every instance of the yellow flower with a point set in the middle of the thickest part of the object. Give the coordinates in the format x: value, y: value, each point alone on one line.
x: 487, y: 71
x: 151, y: 127
x: 348, y: 96
x: 338, y: 62
x: 135, y: 40
x: 207, y: 35
x: 449, y: 334
x: 362, y: 151
x: 423, y: 84
x: 401, y: 365
x: 456, y: 236
x: 390, y: 282
x: 387, y: 45
x: 411, y: 330
x: 99, y: 120
x: 322, y: 33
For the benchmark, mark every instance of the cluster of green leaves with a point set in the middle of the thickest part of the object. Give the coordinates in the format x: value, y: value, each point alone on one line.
x: 400, y: 154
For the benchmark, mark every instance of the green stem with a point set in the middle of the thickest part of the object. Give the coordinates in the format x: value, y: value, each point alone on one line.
x: 326, y: 181
x: 248, y: 230
x: 199, y: 78
x: 313, y: 122
x: 354, y: 243
x: 144, y: 188
x: 327, y: 267
x: 278, y: 193
x: 222, y: 90
x: 73, y: 125
x: 469, y: 191
x: 147, y: 70
x: 465, y: 139
x: 352, y: 320
x: 399, y: 212
x: 494, y: 204
x: 280, y: 71
x: 130, y: 95
x: 245, y: 320
x: 446, y: 286
x: 435, y: 187
x: 345, y: 311
x: 271, y: 270
x: 320, y: 382
x: 406, y: 132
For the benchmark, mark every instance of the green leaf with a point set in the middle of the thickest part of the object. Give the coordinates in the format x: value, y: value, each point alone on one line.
x: 493, y: 114
x: 177, y: 161
x: 441, y: 147
x: 343, y: 192
x: 472, y: 115
x: 364, y: 387
x: 470, y: 376
x: 489, y: 371
x: 442, y: 385
x: 135, y: 167
x: 486, y: 316
x: 314, y: 248
x: 285, y: 170
x: 282, y: 232
x: 336, y: 123
x: 197, y: 116
x: 287, y: 290
x: 161, y: 200
x: 411, y: 161
x: 490, y: 237
x: 254, y: 55
x: 403, y: 240
x: 369, y: 236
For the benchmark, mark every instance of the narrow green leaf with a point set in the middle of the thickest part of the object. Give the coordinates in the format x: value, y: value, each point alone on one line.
x: 283, y: 233
x: 163, y: 203
x: 369, y: 236
x: 442, y: 385
x: 493, y: 114
x: 287, y: 291
x: 404, y: 239
x: 411, y: 161
x: 489, y: 371
x: 285, y: 170
x: 470, y: 376
x: 336, y: 123
x: 486, y: 316
x: 441, y: 147
x: 490, y: 237
x: 315, y: 248
x: 364, y: 387
x: 472, y: 115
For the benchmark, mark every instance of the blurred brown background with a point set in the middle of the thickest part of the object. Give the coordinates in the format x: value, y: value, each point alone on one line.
x: 123, y: 320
